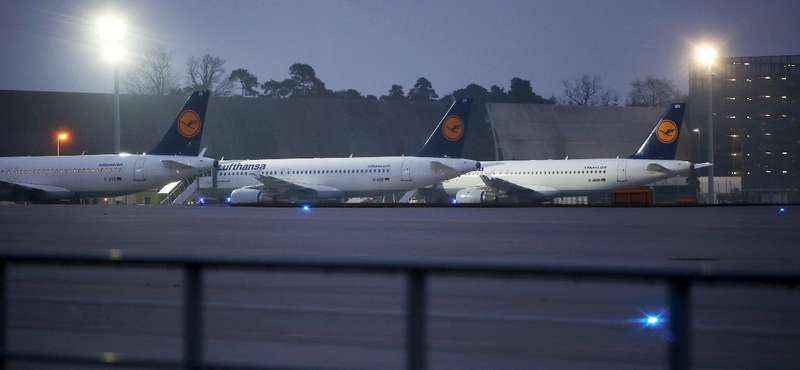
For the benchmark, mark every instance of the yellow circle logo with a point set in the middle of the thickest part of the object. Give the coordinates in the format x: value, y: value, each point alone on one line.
x: 189, y: 123
x: 667, y: 131
x: 453, y: 128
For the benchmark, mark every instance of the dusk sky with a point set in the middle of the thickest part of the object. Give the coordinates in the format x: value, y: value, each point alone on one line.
x: 51, y: 45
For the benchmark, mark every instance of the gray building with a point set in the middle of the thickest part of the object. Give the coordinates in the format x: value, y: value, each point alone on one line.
x: 756, y: 111
x: 536, y: 131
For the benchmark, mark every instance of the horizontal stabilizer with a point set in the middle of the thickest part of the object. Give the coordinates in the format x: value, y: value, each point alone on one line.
x: 702, y: 165
x: 175, y: 165
x: 655, y: 167
x: 441, y: 167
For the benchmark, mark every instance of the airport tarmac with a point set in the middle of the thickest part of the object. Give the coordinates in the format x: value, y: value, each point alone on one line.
x: 334, y: 320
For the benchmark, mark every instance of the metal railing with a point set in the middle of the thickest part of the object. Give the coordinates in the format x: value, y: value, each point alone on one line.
x: 416, y: 272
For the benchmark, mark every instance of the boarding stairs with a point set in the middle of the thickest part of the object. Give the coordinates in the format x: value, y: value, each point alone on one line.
x: 178, y: 192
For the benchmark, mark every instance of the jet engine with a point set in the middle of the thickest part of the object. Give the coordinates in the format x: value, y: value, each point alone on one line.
x: 467, y: 196
x: 249, y: 196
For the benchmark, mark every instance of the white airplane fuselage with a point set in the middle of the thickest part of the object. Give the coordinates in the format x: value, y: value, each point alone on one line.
x: 571, y: 177
x: 339, y: 177
x: 94, y: 176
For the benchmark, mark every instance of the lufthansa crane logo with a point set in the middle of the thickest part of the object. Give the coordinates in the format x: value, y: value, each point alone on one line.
x: 667, y: 131
x: 453, y: 128
x: 189, y: 123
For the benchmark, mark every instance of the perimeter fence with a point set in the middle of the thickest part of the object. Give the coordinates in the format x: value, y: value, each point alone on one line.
x: 416, y: 273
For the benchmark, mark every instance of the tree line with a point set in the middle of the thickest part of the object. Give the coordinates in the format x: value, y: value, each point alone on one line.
x: 153, y: 74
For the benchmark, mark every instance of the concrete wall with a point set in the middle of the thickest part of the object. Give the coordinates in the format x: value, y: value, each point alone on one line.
x: 241, y: 128
x: 236, y: 128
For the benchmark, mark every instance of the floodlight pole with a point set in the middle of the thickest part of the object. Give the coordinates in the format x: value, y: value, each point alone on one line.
x: 710, y: 199
x: 116, y: 108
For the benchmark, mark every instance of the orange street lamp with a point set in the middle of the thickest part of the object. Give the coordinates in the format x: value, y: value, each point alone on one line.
x: 58, y: 143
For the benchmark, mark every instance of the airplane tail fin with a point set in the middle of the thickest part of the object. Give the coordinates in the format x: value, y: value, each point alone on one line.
x: 663, y: 140
x: 447, y: 140
x: 183, y: 136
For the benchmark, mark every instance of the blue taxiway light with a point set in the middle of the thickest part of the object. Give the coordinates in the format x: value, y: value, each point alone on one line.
x: 455, y: 201
x: 782, y: 209
x: 652, y: 321
x: 306, y: 207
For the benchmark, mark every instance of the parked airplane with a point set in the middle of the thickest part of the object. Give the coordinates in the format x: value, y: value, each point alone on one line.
x: 49, y: 178
x: 542, y: 180
x: 273, y: 180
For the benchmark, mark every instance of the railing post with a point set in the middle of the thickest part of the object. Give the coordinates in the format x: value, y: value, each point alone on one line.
x: 680, y: 324
x: 192, y: 317
x: 3, y: 316
x: 416, y: 331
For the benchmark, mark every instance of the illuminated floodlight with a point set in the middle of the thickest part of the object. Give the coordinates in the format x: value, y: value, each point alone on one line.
x: 306, y: 207
x: 113, y: 52
x: 110, y: 28
x: 706, y: 54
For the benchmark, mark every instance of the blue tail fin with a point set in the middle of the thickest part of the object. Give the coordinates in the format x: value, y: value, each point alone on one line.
x: 183, y: 137
x: 663, y: 140
x: 447, y: 140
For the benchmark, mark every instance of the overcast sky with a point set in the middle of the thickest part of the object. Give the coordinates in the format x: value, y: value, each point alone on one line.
x: 51, y: 45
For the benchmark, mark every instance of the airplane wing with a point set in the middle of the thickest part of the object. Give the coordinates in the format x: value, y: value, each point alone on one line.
x: 274, y: 186
x: 505, y: 186
x: 10, y: 187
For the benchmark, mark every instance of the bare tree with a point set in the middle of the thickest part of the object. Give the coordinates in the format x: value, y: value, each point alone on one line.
x: 152, y: 74
x: 588, y: 90
x: 207, y: 73
x: 609, y: 97
x: 652, y: 92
